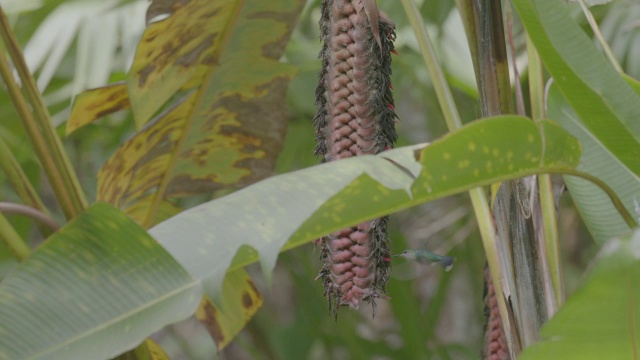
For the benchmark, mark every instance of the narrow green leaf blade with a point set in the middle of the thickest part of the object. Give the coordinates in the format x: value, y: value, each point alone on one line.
x: 602, y: 319
x: 96, y: 288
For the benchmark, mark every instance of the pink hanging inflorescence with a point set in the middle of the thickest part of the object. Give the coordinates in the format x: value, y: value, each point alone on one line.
x: 355, y: 117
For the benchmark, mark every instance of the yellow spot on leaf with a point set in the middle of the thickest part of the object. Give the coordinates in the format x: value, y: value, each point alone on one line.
x: 462, y: 164
x: 472, y: 146
x: 489, y: 166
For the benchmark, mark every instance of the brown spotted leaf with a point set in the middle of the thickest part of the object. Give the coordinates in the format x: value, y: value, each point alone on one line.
x: 219, y: 59
x: 240, y: 302
x: 94, y: 104
x: 148, y: 350
x: 140, y: 209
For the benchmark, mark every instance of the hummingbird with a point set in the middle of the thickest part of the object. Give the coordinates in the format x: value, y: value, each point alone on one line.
x: 424, y: 256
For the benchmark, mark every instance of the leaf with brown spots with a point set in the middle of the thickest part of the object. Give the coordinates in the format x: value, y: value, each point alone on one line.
x: 240, y: 302
x: 220, y: 60
x: 148, y: 350
x: 139, y: 210
x: 94, y: 104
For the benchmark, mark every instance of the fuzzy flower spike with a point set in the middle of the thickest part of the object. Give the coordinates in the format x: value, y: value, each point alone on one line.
x: 355, y: 117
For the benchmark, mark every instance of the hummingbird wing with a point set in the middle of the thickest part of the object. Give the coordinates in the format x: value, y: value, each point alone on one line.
x: 446, y: 262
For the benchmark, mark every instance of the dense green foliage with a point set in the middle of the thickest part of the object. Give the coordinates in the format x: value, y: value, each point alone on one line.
x: 206, y: 104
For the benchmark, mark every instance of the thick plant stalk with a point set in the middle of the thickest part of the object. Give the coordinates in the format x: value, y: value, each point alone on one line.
x: 355, y: 117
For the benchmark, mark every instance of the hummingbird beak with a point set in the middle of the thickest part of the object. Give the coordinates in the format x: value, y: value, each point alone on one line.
x: 396, y: 255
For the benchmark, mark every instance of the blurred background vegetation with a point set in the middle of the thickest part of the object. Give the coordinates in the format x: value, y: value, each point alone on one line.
x: 76, y: 45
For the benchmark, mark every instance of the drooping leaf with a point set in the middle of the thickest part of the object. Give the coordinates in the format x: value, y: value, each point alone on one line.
x: 104, y: 283
x: 240, y: 302
x: 606, y: 104
x: 94, y: 104
x: 220, y: 60
x: 295, y: 208
x: 601, y: 320
x: 601, y: 218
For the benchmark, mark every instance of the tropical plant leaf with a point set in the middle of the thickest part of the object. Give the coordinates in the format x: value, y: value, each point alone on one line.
x: 227, y: 125
x: 606, y: 111
x: 148, y: 350
x: 606, y: 104
x: 140, y: 210
x: 240, y: 302
x: 200, y: 41
x: 220, y: 60
x: 296, y: 208
x: 601, y: 218
x: 104, y: 283
x: 602, y: 318
x: 94, y: 104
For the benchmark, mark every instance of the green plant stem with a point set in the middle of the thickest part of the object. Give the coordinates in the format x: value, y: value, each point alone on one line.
x: 445, y: 98
x: 468, y: 19
x: 40, y: 127
x: 452, y: 118
x: 515, y: 231
x: 21, y: 183
x: 596, y: 31
x: 11, y: 208
x: 551, y: 268
x: 12, y: 240
x: 516, y: 73
x: 536, y: 82
x: 489, y: 54
x: 34, y: 135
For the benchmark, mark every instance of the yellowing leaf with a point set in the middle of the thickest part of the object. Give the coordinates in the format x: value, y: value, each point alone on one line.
x: 148, y: 350
x: 227, y: 129
x: 140, y: 209
x: 240, y: 302
x: 94, y: 104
